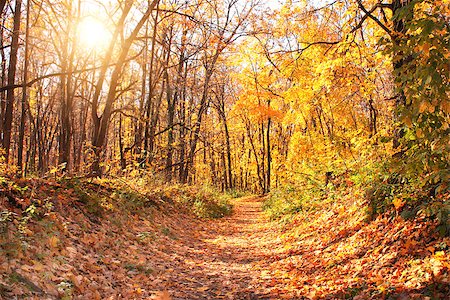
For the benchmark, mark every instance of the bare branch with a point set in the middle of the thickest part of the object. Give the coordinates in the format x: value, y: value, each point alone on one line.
x: 368, y: 14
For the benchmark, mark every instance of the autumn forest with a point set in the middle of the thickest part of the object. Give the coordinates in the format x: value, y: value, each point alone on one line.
x: 171, y: 149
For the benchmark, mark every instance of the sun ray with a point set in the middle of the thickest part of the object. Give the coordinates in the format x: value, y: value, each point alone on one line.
x: 93, y: 34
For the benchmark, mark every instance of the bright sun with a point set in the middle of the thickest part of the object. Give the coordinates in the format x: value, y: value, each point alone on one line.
x: 93, y: 34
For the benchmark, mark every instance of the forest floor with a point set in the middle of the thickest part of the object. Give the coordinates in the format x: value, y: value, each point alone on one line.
x: 162, y: 252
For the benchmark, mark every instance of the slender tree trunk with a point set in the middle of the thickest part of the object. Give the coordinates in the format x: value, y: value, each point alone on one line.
x: 67, y: 84
x: 2, y: 6
x: 8, y: 117
x: 228, y: 150
x: 263, y: 173
x: 196, y: 132
x: 400, y: 32
x: 82, y: 135
x: 222, y: 114
x: 3, y: 77
x: 139, y: 126
x: 225, y: 181
x: 24, y: 96
x: 152, y: 107
x: 101, y: 123
x: 170, y: 137
x: 372, y: 118
x: 32, y: 147
x: 182, y: 119
x: 269, y: 155
x: 171, y: 101
x: 123, y: 162
x: 171, y: 105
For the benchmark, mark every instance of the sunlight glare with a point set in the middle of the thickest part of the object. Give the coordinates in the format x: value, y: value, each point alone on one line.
x: 93, y: 34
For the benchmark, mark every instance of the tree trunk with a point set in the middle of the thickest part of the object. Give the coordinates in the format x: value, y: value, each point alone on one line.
x: 399, y: 60
x: 182, y: 119
x: 8, y: 117
x: 101, y: 123
x: 228, y: 149
x: 3, y: 76
x: 196, y: 133
x: 152, y: 107
x: 225, y: 182
x: 67, y: 84
x: 139, y: 124
x: 269, y: 155
x: 24, y: 97
x: 123, y: 161
x: 171, y: 101
x: 2, y: 6
x: 171, y: 105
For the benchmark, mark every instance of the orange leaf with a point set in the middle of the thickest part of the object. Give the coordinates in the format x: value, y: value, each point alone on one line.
x: 398, y: 203
x: 163, y: 296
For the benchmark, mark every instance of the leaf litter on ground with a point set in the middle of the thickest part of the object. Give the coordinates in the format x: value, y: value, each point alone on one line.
x: 69, y: 248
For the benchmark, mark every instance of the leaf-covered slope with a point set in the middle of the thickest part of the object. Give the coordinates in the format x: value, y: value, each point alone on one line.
x: 332, y: 252
x: 97, y: 241
x: 92, y: 240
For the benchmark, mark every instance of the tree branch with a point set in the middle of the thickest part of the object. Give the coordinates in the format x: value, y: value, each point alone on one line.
x: 368, y: 14
x: 31, y: 82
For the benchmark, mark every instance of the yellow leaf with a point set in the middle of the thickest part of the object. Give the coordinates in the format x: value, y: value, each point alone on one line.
x: 97, y: 295
x: 398, y: 203
x: 439, y: 254
x: 53, y: 241
x: 38, y: 266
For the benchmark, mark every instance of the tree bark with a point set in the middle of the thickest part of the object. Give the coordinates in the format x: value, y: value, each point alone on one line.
x: 2, y: 6
x: 101, y: 122
x: 171, y: 101
x: 66, y: 105
x: 398, y: 62
x: 8, y: 117
x: 152, y: 107
x: 203, y: 106
x: 24, y: 96
x: 123, y: 161
x: 269, y: 155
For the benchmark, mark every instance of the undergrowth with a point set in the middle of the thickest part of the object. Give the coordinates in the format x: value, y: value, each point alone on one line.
x: 380, y: 190
x: 33, y: 200
x: 207, y: 202
x: 286, y: 202
x: 310, y: 194
x: 410, y: 197
x: 132, y: 195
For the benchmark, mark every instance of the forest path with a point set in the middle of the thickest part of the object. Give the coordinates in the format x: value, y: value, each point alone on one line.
x: 226, y: 258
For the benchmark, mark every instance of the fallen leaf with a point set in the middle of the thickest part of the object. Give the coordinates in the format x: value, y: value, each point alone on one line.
x: 53, y: 241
